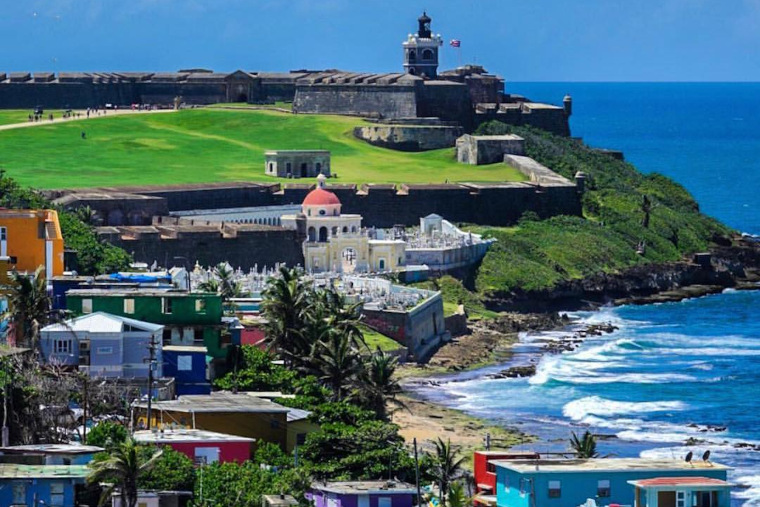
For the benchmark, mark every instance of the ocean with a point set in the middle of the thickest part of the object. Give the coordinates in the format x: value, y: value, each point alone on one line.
x: 674, y: 377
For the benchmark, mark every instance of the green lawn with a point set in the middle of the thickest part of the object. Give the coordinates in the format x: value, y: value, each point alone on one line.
x: 373, y: 339
x: 208, y: 145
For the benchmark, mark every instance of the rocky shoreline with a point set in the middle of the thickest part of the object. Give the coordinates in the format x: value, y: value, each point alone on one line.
x: 729, y: 264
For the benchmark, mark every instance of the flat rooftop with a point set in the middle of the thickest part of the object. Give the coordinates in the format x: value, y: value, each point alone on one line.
x: 51, y: 449
x: 673, y: 482
x: 363, y: 487
x: 606, y: 465
x: 186, y: 435
x: 13, y: 471
x: 218, y: 402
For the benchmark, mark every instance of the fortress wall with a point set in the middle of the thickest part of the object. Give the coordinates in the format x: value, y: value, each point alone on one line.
x: 262, y: 248
x: 232, y: 196
x: 448, y: 101
x: 391, y: 101
x: 409, y: 138
x: 47, y: 95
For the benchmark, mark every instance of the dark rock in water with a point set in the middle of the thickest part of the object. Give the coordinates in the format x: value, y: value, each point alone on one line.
x: 516, y: 372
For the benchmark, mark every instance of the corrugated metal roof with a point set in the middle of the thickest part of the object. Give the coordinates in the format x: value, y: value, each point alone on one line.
x: 51, y: 449
x: 218, y: 402
x: 296, y: 414
x: 101, y: 322
x: 186, y: 435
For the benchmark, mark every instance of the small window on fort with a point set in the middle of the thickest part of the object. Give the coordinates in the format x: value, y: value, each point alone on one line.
x: 427, y: 54
x: 200, y: 306
x: 129, y: 306
x: 555, y: 489
x: 412, y: 55
x: 87, y: 306
x: 271, y: 167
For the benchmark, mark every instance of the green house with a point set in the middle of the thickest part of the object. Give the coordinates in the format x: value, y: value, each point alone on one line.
x: 189, y: 318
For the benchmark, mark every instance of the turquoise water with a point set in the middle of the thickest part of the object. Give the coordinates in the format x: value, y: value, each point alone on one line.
x: 672, y: 371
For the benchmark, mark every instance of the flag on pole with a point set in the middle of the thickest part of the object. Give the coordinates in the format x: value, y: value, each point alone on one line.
x: 455, y: 43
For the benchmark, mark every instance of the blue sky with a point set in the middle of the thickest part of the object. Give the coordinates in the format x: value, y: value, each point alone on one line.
x: 525, y: 40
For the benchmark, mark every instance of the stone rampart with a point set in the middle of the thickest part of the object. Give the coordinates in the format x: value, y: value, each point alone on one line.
x: 385, y: 101
x: 409, y: 137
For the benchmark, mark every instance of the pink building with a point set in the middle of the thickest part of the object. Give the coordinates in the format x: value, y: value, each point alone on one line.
x: 202, y: 446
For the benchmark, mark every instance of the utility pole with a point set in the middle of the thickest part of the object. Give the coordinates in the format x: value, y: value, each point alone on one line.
x: 86, y: 379
x: 417, y: 473
x: 488, y: 441
x: 151, y: 363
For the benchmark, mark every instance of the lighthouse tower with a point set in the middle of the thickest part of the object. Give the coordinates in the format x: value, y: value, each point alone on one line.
x: 421, y: 50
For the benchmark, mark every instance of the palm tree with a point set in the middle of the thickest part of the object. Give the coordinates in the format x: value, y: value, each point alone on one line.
x: 342, y: 316
x: 286, y: 307
x: 376, y: 387
x: 447, y: 464
x: 336, y: 362
x: 121, y: 471
x: 228, y: 287
x: 584, y: 447
x: 29, y: 306
x: 458, y: 495
x: 210, y: 285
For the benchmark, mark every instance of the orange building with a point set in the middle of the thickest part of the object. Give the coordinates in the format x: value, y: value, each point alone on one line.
x: 32, y: 238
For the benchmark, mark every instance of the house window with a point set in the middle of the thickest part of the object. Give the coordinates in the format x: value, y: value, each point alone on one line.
x: 129, y: 306
x: 200, y: 306
x: 104, y: 350
x: 603, y: 489
x: 555, y: 489
x: 381, y: 264
x: 56, y: 493
x: 62, y: 346
x: 3, y: 234
x: 19, y: 493
x: 680, y: 499
x: 87, y: 306
x: 166, y: 305
x: 184, y: 363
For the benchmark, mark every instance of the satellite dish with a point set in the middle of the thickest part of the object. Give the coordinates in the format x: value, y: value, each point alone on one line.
x: 706, y: 456
x: 689, y: 456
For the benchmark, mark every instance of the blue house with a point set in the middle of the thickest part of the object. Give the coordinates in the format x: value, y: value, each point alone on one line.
x: 104, y: 345
x: 54, y: 485
x: 570, y: 483
x: 189, y: 366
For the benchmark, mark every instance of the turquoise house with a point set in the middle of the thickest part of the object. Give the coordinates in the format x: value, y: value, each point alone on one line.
x: 50, y: 485
x: 621, y: 481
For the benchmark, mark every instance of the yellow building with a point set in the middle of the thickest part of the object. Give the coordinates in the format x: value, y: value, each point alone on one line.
x: 32, y: 238
x: 336, y: 242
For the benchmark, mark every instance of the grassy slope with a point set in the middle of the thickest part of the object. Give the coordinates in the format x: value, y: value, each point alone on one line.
x: 537, y: 255
x: 373, y: 339
x: 213, y: 145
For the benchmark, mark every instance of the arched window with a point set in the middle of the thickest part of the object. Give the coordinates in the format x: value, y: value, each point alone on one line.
x: 412, y: 71
x: 334, y: 231
x: 381, y: 264
x: 312, y: 234
x: 323, y: 234
x: 427, y: 54
x: 335, y: 212
x: 412, y: 55
x: 345, y: 229
x: 271, y: 167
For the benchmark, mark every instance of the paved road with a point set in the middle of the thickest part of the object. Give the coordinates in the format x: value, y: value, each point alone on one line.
x: 83, y: 117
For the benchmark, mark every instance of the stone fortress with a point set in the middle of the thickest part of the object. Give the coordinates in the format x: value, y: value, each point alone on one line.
x: 460, y: 98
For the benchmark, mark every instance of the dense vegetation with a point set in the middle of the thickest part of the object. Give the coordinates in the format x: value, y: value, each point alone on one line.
x: 93, y: 255
x: 629, y: 218
x: 212, y: 145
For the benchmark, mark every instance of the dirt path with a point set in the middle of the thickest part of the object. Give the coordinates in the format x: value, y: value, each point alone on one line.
x: 101, y: 114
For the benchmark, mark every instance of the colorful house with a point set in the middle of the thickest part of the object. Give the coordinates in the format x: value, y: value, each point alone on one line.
x: 104, y: 345
x: 53, y: 485
x: 235, y: 414
x: 484, y: 472
x: 189, y: 318
x: 32, y: 238
x: 362, y: 494
x: 560, y: 483
x: 188, y: 366
x: 677, y: 491
x: 203, y: 447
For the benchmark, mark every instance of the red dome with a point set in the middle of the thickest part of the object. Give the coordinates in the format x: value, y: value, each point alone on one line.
x: 321, y: 197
